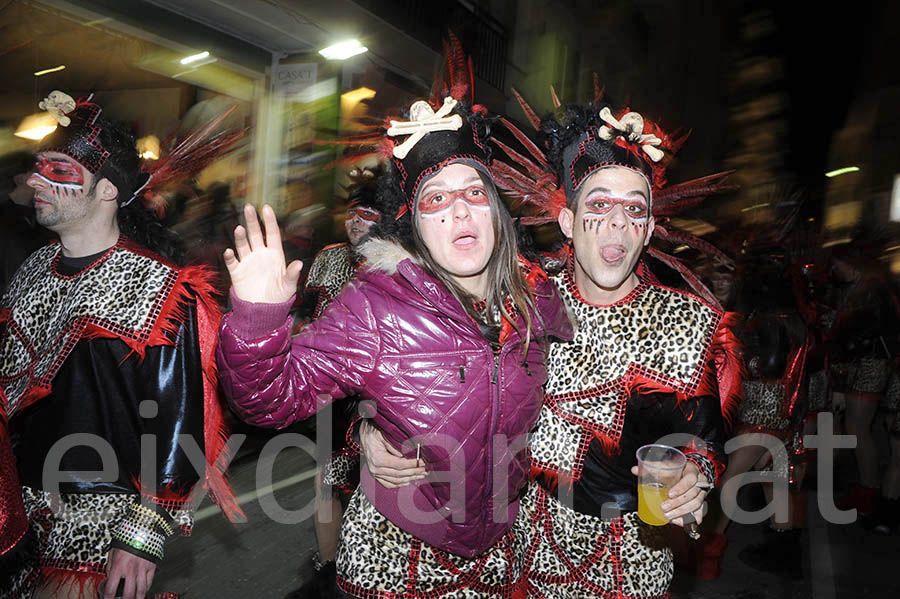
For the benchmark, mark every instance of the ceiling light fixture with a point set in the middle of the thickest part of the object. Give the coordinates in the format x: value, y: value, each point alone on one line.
x: 359, y: 94
x: 48, y: 71
x: 194, y: 57
x: 36, y: 126
x: 343, y: 50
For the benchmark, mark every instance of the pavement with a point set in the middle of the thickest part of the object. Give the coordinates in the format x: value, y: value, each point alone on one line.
x: 263, y: 558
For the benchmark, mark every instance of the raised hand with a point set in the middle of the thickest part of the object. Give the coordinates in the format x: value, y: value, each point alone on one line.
x: 258, y: 272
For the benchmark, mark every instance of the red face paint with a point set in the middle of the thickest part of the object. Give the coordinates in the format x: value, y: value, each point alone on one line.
x: 635, y: 209
x: 367, y: 214
x: 438, y: 201
x: 60, y: 171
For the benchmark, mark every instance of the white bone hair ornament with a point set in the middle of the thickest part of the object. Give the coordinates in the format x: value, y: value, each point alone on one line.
x: 423, y: 119
x: 631, y: 127
x: 58, y: 104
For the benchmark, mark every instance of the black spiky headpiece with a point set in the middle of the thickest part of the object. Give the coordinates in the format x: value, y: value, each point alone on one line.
x: 363, y: 188
x: 104, y: 148
x: 447, y: 129
x: 583, y: 139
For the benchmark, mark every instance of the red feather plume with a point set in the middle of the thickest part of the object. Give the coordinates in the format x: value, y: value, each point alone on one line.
x: 555, y: 98
x: 691, y: 240
x: 703, y: 186
x: 599, y: 92
x: 191, y: 154
x: 458, y: 77
x: 532, y: 147
x: 691, y: 279
x: 532, y: 116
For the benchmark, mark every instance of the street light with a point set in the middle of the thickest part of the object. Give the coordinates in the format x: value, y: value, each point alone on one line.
x: 842, y: 171
x: 343, y: 50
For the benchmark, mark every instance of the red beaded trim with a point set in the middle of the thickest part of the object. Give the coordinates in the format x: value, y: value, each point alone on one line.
x: 54, y: 265
x: 572, y: 287
x: 467, y: 580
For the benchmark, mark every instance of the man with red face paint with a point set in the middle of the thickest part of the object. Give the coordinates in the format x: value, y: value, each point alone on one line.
x: 106, y: 350
x: 646, y: 363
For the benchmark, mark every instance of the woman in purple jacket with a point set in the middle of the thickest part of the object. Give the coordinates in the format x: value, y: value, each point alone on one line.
x: 443, y: 332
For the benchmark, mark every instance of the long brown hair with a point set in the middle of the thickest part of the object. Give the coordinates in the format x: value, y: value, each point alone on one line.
x: 504, y: 275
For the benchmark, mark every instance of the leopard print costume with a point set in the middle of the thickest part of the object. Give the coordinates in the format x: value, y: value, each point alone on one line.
x: 892, y: 402
x: 378, y: 560
x: 568, y: 554
x: 73, y: 534
x: 332, y: 268
x: 52, y: 313
x: 342, y: 471
x: 654, y: 334
x: 818, y: 393
x: 128, y: 294
x: 763, y: 408
x: 868, y: 374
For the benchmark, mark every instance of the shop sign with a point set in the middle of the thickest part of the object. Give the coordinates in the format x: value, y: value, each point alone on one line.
x: 292, y: 80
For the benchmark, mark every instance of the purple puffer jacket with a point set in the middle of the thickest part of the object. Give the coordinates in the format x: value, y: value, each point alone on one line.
x: 397, y: 337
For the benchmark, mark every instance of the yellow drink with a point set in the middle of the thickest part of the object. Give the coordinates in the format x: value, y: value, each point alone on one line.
x: 650, y: 496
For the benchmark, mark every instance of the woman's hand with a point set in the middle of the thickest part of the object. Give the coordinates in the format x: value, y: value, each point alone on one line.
x: 385, y: 463
x: 258, y: 273
x: 687, y: 496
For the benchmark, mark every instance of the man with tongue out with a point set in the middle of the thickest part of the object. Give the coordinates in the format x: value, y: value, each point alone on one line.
x: 646, y: 363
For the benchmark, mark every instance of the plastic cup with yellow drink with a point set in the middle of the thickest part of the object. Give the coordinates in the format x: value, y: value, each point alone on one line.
x: 659, y: 468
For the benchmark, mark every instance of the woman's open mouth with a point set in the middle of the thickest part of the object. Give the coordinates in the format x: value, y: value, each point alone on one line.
x: 465, y: 240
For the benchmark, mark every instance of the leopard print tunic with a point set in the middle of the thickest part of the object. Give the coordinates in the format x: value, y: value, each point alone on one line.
x: 654, y: 333
x: 868, y: 374
x: 566, y: 554
x: 333, y: 268
x: 818, y: 392
x: 892, y: 402
x: 378, y: 560
x: 46, y: 313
